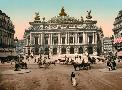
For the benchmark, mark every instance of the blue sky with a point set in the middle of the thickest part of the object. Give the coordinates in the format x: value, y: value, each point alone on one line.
x: 22, y: 11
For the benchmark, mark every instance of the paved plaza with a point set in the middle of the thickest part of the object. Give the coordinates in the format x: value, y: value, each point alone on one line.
x: 58, y: 77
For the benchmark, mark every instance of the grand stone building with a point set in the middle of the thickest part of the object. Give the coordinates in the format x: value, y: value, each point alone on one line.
x: 107, y: 45
x: 118, y: 33
x: 63, y: 34
x: 6, y: 35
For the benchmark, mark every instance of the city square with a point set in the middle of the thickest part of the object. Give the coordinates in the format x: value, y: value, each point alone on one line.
x: 54, y: 48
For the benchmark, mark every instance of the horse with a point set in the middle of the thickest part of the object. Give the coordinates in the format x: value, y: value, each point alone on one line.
x: 61, y: 61
x: 92, y: 60
x: 44, y: 64
x: 23, y: 65
x: 20, y: 65
x: 53, y: 62
x: 82, y: 65
x: 76, y: 65
x: 40, y: 63
x: 86, y: 66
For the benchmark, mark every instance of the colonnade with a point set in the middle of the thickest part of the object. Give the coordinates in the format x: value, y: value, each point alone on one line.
x: 41, y: 38
x: 75, y: 45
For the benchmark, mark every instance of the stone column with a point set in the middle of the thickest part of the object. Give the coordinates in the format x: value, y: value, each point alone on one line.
x: 66, y: 38
x: 59, y: 38
x: 67, y: 50
x: 76, y: 37
x: 30, y: 39
x: 51, y: 39
x: 73, y: 39
x: 38, y: 40
x: 41, y: 38
x: 84, y: 38
x: 95, y: 38
x: 58, y: 50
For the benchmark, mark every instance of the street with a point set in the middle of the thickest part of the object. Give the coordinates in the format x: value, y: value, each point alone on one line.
x: 58, y: 78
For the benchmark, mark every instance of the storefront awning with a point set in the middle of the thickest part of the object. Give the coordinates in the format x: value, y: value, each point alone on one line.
x: 118, y: 40
x: 119, y: 53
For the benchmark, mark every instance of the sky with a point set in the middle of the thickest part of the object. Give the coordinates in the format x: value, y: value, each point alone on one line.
x: 22, y: 12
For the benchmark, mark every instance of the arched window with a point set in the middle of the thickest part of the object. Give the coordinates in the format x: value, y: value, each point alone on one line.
x: 80, y: 39
x: 36, y: 40
x: 70, y: 39
x: 80, y: 50
x: 63, y: 50
x: 46, y: 40
x: 54, y: 51
x: 63, y: 40
x: 46, y: 51
x: 90, y: 50
x: 71, y: 50
x: 90, y: 39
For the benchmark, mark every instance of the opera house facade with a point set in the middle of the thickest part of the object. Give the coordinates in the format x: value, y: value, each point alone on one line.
x: 63, y: 34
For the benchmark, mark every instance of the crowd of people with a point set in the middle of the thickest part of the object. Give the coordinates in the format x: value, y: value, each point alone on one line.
x: 77, y: 62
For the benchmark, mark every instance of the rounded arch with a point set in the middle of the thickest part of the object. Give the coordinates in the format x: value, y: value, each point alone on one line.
x: 36, y: 51
x: 90, y: 50
x: 63, y: 50
x: 46, y: 51
x: 54, y: 51
x: 72, y: 50
x: 80, y: 51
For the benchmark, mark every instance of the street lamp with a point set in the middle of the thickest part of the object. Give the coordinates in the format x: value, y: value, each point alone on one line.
x: 15, y: 42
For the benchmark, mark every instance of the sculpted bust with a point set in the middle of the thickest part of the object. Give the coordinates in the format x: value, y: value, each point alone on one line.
x: 37, y: 17
x: 89, y: 16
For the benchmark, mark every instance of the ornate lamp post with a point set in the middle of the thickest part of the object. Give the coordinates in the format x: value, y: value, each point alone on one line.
x: 15, y: 43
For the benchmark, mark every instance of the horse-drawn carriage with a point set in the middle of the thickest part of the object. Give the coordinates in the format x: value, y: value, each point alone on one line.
x: 83, y: 65
x: 20, y: 65
x: 45, y: 64
x: 9, y: 58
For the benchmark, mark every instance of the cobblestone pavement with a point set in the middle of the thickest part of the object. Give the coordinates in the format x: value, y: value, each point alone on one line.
x: 58, y: 78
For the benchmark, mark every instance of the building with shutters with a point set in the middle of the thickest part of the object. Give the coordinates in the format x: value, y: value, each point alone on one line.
x: 6, y: 35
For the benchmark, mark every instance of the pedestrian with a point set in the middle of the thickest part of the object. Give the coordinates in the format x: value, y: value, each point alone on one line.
x: 109, y: 64
x: 114, y: 65
x: 73, y: 79
x: 35, y: 60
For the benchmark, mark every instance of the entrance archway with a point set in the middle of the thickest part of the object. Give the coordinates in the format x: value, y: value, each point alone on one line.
x: 28, y: 51
x: 36, y: 51
x: 80, y: 50
x: 54, y: 51
x: 90, y: 50
x: 46, y: 51
x: 71, y: 50
x: 63, y: 50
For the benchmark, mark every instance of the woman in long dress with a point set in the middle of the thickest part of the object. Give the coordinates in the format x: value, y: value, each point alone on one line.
x: 73, y: 79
